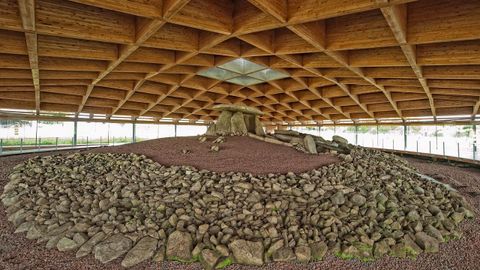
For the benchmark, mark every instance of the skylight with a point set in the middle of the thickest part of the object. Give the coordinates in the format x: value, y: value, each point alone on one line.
x: 242, y: 72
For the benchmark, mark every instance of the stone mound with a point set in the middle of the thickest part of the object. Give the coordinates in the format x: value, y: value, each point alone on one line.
x: 125, y: 205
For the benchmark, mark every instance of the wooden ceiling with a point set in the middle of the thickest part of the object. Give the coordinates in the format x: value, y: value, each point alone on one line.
x: 347, y: 59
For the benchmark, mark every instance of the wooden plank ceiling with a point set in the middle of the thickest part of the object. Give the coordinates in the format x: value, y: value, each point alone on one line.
x: 361, y: 59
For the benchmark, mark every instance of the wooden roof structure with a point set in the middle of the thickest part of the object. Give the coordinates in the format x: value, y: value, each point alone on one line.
x: 345, y: 59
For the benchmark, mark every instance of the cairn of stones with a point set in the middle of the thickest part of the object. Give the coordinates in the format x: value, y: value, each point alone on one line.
x: 369, y: 205
x: 313, y: 144
x: 237, y: 120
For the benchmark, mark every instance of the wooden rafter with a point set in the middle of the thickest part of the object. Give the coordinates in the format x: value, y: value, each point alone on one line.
x: 27, y: 13
x: 383, y: 59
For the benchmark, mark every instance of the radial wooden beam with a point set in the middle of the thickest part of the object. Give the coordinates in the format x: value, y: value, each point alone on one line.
x: 333, y: 80
x: 396, y: 17
x: 27, y: 13
x: 144, y: 32
x: 314, y: 34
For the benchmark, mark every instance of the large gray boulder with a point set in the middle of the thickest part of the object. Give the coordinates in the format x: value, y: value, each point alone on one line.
x: 309, y: 144
x: 87, y: 247
x: 112, y: 248
x: 247, y: 252
x: 236, y: 120
x: 143, y: 250
x: 340, y: 140
x: 426, y: 242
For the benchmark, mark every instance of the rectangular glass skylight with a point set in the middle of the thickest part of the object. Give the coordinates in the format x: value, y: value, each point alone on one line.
x: 242, y: 72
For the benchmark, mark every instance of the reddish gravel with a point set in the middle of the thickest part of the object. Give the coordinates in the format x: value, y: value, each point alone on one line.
x: 237, y: 154
x: 16, y: 252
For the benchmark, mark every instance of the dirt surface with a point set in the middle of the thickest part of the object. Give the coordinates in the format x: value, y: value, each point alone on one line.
x: 237, y: 154
x: 17, y: 252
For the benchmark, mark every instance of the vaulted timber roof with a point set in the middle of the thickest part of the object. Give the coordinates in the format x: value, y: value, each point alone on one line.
x: 345, y: 59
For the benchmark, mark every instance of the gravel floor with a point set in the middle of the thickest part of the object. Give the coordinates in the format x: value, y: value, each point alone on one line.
x: 16, y: 252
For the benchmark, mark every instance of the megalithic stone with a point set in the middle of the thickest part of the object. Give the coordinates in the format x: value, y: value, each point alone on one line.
x: 238, y: 124
x: 223, y: 125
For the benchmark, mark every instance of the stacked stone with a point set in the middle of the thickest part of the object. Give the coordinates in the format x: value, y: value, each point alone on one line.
x: 236, y: 120
x: 112, y: 205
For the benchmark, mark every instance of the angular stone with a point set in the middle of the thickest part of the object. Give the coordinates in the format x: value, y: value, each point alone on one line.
x: 318, y: 250
x: 67, y: 244
x: 247, y: 252
x: 179, y: 246
x: 274, y: 247
x: 35, y: 232
x: 309, y: 144
x: 340, y: 140
x: 160, y: 255
x: 212, y: 130
x: 411, y: 248
x: 358, y: 200
x: 259, y: 127
x: 112, y: 248
x: 285, y: 254
x: 303, y: 253
x: 87, y: 247
x: 338, y: 198
x: 143, y: 250
x: 209, y: 258
x: 24, y: 227
x: 18, y: 217
x: 426, y: 242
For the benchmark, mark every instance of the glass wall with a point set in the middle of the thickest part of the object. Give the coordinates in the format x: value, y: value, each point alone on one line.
x: 190, y: 130
x: 32, y: 135
x: 449, y: 140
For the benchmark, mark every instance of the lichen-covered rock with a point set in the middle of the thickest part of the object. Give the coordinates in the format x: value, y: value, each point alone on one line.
x: 426, y: 242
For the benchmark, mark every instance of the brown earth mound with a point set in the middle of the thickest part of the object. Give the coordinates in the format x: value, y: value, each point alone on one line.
x: 237, y: 154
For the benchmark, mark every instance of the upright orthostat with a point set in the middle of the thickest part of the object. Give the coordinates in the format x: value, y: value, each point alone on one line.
x: 236, y: 120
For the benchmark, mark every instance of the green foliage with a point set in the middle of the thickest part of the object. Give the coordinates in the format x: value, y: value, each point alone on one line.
x: 228, y: 261
x: 11, y: 123
x: 344, y: 256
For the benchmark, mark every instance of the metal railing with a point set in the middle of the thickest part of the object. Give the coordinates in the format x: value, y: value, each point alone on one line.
x: 32, y: 145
